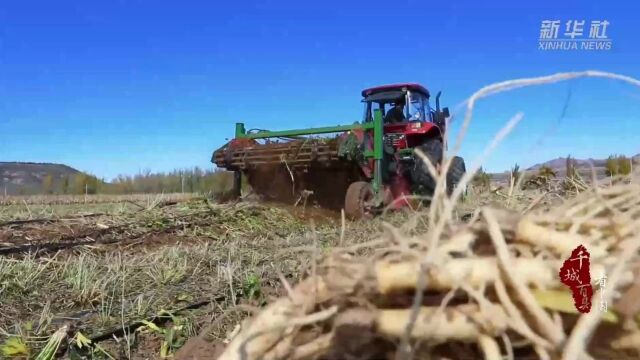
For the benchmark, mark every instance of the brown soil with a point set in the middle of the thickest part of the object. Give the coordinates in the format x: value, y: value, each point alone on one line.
x: 112, y: 232
x: 60, y: 236
x: 198, y: 348
x: 325, y: 186
x: 309, y: 212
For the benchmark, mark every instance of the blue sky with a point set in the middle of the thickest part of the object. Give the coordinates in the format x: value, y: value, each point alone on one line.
x: 118, y: 86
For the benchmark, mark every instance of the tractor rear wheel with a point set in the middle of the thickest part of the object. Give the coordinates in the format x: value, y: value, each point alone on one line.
x: 423, y: 182
x: 356, y: 200
x: 455, y: 173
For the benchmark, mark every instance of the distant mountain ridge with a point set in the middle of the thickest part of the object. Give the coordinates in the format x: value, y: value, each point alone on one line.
x: 28, y: 177
x: 558, y: 165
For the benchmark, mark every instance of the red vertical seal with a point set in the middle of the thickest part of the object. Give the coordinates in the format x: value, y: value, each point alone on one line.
x: 575, y: 274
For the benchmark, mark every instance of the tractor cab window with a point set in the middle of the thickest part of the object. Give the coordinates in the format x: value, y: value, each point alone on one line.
x: 371, y: 107
x: 417, y: 107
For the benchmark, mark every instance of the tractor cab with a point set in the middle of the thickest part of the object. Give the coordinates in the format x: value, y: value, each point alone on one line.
x: 416, y: 104
x: 384, y: 98
x: 410, y: 124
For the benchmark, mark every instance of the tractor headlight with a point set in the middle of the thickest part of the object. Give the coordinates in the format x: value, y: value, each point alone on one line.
x: 415, y: 125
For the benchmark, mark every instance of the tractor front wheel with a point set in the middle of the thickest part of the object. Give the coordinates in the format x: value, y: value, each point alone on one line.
x: 423, y: 182
x: 455, y: 174
x: 356, y: 202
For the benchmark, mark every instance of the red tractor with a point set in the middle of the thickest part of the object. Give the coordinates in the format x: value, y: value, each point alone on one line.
x: 367, y: 166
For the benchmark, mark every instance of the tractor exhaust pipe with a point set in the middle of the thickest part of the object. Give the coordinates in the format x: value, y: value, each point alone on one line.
x: 440, y: 119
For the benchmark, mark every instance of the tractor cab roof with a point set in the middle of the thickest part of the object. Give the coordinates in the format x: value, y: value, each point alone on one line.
x: 391, y: 92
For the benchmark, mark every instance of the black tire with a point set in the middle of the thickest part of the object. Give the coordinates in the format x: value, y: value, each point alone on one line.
x: 423, y: 182
x: 455, y: 173
x: 355, y: 201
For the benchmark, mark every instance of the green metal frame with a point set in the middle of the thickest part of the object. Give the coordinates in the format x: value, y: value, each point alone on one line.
x: 375, y: 125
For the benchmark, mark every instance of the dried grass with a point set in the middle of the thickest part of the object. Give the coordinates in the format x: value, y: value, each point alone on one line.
x: 92, y: 199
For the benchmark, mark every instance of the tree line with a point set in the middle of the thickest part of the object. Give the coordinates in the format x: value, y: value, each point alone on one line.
x: 618, y: 165
x: 195, y: 180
